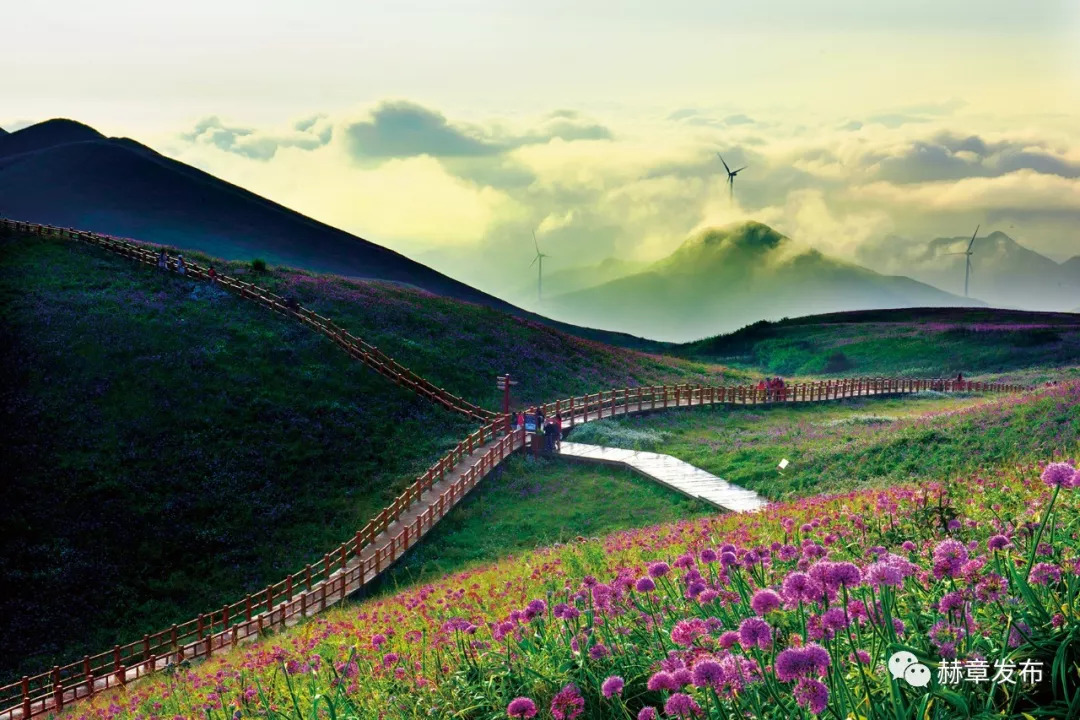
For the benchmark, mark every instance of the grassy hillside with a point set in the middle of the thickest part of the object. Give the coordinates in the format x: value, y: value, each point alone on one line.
x: 169, y: 447
x: 868, y: 441
x: 919, y: 342
x: 533, y: 503
x: 173, y: 447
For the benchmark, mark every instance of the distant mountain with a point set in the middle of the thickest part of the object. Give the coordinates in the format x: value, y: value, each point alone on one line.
x: 64, y: 173
x: 570, y: 280
x: 1004, y: 273
x: 3, y: 132
x: 722, y: 279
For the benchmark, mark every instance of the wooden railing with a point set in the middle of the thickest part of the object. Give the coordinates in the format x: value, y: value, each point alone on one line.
x: 362, y: 351
x: 398, y: 527
x: 643, y: 399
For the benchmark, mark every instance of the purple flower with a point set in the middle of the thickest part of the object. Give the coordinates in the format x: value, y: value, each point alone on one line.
x: 949, y: 557
x: 644, y: 585
x: 535, y: 609
x: 378, y: 640
x: 843, y: 574
x: 764, y: 602
x: 755, y: 632
x: 612, y: 686
x: 794, y: 663
x: 567, y: 703
x: 991, y: 588
x: 681, y: 705
x: 998, y: 542
x: 659, y: 569
x: 800, y: 587
x: 647, y: 713
x: 1057, y: 475
x: 708, y: 555
x: 708, y: 673
x: 662, y: 680
x: 686, y: 631
x: 521, y: 707
x: 1045, y: 574
x: 812, y: 694
x: 599, y: 651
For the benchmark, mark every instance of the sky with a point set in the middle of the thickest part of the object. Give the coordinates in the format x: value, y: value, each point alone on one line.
x: 451, y: 131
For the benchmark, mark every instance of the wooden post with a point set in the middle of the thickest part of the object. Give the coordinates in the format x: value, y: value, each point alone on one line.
x: 25, y: 697
x: 58, y: 689
x: 307, y: 576
x: 571, y: 411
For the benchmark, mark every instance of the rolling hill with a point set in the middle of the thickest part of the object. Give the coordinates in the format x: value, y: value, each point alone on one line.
x: 64, y: 173
x: 722, y: 279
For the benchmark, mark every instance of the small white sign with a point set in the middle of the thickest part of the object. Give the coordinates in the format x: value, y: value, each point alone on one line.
x: 783, y: 464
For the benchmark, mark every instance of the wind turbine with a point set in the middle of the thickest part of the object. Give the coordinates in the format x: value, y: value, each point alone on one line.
x: 539, y: 270
x: 967, y: 253
x: 731, y: 175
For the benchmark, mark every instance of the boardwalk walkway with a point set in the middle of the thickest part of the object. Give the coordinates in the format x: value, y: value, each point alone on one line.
x: 670, y: 472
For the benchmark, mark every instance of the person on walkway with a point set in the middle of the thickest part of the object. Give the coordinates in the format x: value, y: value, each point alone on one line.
x: 521, y: 420
x: 163, y: 260
x: 181, y: 267
x: 781, y: 389
x: 558, y: 431
x: 212, y: 274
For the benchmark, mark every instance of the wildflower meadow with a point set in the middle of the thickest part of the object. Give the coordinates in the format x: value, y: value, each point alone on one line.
x: 939, y: 600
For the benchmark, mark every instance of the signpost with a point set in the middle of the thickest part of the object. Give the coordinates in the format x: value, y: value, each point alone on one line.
x: 503, y: 382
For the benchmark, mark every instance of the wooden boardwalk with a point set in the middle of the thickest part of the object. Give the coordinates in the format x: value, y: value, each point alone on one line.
x: 672, y: 473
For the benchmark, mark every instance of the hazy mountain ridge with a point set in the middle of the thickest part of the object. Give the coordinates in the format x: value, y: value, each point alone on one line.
x: 1003, y: 272
x: 723, y: 278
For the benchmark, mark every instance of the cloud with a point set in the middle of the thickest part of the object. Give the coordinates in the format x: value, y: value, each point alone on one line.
x: 248, y: 142
x: 1021, y: 190
x: 466, y: 196
x: 398, y: 129
x: 948, y: 156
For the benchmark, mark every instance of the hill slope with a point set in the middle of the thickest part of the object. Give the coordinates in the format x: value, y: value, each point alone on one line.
x: 722, y: 279
x: 209, y: 447
x: 63, y: 173
x: 916, y: 342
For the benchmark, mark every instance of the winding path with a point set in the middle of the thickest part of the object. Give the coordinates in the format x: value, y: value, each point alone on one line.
x: 356, y: 562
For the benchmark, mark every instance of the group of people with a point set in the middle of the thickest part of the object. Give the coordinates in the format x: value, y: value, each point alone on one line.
x: 550, y: 429
x: 181, y: 266
x: 774, y: 388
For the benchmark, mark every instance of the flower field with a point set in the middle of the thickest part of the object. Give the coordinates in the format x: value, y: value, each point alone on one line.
x: 942, y: 600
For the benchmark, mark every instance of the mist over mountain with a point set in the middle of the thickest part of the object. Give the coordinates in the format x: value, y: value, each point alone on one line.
x: 64, y: 173
x: 724, y: 278
x: 1004, y: 273
x: 567, y: 280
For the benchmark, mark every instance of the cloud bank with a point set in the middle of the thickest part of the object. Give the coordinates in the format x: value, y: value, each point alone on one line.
x: 466, y: 196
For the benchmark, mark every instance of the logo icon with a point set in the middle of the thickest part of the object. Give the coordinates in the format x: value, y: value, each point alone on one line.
x: 904, y: 664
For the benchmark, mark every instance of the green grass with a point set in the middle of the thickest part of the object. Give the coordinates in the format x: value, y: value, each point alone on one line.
x: 912, y: 343
x: 853, y: 443
x: 532, y: 503
x: 169, y: 447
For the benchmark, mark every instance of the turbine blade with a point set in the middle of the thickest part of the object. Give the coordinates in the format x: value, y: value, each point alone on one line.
x: 725, y: 163
x: 740, y: 169
x: 535, y: 243
x: 534, y: 261
x: 973, y: 236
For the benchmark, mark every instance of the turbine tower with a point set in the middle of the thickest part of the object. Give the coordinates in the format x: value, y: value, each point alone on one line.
x: 539, y: 262
x: 731, y: 175
x: 967, y: 257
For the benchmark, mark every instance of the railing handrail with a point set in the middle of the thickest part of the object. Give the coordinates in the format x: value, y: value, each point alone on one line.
x: 336, y: 571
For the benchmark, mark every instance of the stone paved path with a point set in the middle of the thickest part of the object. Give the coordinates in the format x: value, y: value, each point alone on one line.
x: 671, y: 472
